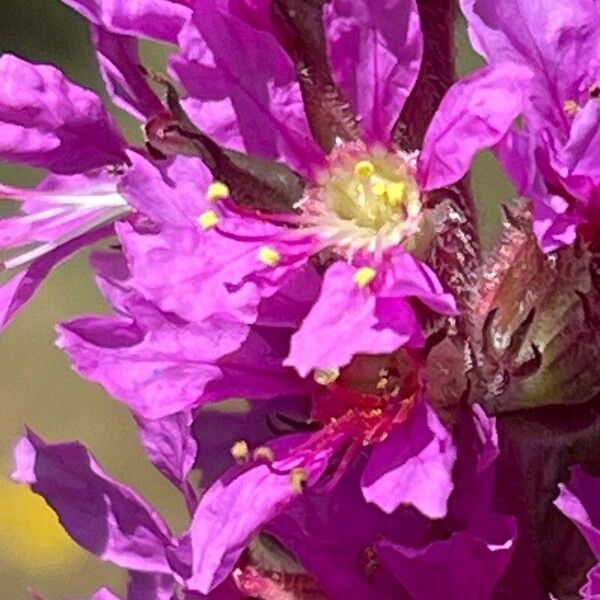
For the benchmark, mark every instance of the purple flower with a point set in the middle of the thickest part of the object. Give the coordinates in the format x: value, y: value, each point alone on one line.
x: 353, y: 198
x: 552, y: 159
x: 354, y: 549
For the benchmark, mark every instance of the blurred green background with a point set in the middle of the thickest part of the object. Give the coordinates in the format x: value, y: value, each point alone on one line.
x: 38, y: 388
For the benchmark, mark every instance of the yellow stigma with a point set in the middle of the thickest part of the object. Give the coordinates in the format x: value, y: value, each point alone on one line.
x: 217, y: 190
x: 364, y: 169
x: 263, y: 453
x: 395, y: 191
x: 240, y: 451
x: 208, y: 219
x: 364, y: 276
x: 269, y: 256
x: 326, y: 376
x: 298, y: 477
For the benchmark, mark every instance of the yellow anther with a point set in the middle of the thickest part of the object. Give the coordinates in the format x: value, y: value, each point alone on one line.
x: 364, y: 168
x: 379, y: 189
x: 298, y: 477
x: 570, y: 107
x: 325, y: 376
x: 217, y: 190
x: 263, y: 453
x: 240, y: 451
x: 269, y: 256
x: 395, y: 192
x: 364, y: 276
x: 208, y: 219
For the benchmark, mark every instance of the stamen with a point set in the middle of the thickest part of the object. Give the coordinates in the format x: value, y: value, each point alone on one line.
x: 263, y: 453
x: 570, y: 107
x: 208, y: 219
x: 269, y: 256
x: 217, y: 190
x: 240, y: 452
x: 325, y: 376
x: 364, y: 276
x: 298, y: 478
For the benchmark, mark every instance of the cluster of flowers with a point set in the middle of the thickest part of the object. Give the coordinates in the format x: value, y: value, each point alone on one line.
x: 298, y: 231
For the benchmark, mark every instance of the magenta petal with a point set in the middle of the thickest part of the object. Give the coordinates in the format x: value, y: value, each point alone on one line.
x: 48, y: 121
x: 591, y: 590
x: 120, y: 66
x: 150, y: 586
x: 160, y: 19
x: 475, y: 114
x: 537, y: 34
x: 104, y: 516
x: 375, y: 49
x: 233, y: 509
x: 342, y: 323
x: 105, y: 594
x: 186, y: 271
x: 580, y: 154
x: 413, y: 465
x: 244, y: 70
x: 18, y: 290
x: 171, y: 193
x: 171, y: 448
x: 578, y: 500
x: 467, y: 566
x: 158, y: 372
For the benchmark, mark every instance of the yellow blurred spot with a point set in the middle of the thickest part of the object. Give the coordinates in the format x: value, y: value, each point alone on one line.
x: 208, y: 219
x: 217, y: 190
x: 269, y: 256
x: 32, y: 538
x: 364, y: 168
x: 364, y: 276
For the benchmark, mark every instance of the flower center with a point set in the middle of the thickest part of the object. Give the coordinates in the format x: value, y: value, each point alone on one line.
x: 364, y: 199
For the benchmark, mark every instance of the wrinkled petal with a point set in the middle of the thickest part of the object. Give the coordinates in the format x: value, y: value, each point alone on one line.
x: 580, y: 154
x: 150, y: 586
x: 591, y: 590
x: 343, y: 323
x: 160, y: 19
x: 174, y: 366
x: 104, y: 516
x: 375, y: 50
x: 404, y: 276
x: 578, y: 500
x: 244, y: 71
x: 475, y: 114
x: 171, y: 448
x: 22, y: 286
x: 48, y: 121
x: 413, y: 465
x: 559, y: 40
x: 467, y: 566
x: 172, y: 193
x: 231, y: 512
x: 120, y: 67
